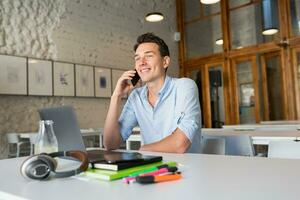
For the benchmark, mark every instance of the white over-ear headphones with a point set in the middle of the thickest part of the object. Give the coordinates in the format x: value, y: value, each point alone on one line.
x: 40, y: 166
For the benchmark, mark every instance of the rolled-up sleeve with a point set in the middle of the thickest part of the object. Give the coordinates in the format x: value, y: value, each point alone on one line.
x: 127, y: 120
x: 189, y: 113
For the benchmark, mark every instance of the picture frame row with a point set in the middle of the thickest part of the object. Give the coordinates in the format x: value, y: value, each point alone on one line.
x: 28, y: 76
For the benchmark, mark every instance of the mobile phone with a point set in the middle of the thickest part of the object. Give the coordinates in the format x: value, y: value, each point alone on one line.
x: 135, y: 79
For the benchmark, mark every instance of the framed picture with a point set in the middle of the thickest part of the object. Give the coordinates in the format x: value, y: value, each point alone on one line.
x: 84, y: 81
x: 39, y: 77
x: 102, y: 82
x: 247, y: 94
x: 13, y: 75
x: 63, y: 79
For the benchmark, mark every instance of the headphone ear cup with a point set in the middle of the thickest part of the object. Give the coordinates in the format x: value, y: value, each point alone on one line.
x: 35, y: 168
x: 51, y: 162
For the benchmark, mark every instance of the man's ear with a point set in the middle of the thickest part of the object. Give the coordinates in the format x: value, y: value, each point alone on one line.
x: 166, y: 61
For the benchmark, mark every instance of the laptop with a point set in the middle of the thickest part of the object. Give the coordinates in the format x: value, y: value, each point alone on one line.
x: 65, y: 126
x: 69, y: 137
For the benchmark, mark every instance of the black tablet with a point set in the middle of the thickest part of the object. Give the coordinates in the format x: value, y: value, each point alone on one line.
x: 116, y: 156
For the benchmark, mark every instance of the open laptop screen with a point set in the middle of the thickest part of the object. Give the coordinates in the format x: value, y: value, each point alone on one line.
x: 65, y: 126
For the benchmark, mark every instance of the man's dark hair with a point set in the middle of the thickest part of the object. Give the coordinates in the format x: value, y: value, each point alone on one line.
x: 151, y: 38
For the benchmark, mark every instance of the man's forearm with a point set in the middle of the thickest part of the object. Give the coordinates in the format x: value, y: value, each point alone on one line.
x: 112, y: 138
x: 177, y: 142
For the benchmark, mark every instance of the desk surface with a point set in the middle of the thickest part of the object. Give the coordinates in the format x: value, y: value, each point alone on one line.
x: 205, y: 177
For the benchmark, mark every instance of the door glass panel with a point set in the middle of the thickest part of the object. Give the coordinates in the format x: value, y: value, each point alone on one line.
x: 274, y: 86
x: 191, y: 10
x: 235, y: 3
x: 194, y: 10
x: 246, y: 26
x: 210, y: 9
x: 216, y: 96
x: 295, y: 16
x: 201, y: 37
x: 245, y: 88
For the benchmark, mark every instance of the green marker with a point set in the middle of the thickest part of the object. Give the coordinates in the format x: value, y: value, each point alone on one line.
x: 150, y: 169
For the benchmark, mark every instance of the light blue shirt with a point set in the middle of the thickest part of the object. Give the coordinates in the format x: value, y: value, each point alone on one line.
x: 177, y: 106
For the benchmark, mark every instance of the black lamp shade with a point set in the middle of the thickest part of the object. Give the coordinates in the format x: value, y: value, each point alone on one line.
x: 270, y: 22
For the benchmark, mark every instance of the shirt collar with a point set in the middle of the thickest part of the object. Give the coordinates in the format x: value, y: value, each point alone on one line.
x: 162, y: 91
x: 165, y: 87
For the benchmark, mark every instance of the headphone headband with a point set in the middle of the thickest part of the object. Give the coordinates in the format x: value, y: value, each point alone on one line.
x: 80, y: 155
x: 39, y: 166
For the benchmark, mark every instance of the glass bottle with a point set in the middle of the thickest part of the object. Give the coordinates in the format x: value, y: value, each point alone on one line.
x: 46, y: 141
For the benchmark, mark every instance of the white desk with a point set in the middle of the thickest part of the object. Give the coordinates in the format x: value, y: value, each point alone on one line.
x: 212, y: 177
x: 94, y: 132
x: 84, y: 132
x: 258, y: 137
x: 281, y: 122
x: 264, y: 126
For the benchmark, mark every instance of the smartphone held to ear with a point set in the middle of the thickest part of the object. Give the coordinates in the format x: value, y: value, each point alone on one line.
x: 135, y: 79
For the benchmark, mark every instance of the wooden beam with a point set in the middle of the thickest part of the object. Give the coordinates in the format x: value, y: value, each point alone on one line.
x: 181, y: 44
x: 288, y: 97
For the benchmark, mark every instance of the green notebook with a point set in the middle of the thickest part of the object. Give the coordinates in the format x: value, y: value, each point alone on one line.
x: 113, y: 175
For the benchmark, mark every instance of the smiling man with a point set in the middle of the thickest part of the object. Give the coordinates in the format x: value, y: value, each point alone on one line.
x: 166, y: 109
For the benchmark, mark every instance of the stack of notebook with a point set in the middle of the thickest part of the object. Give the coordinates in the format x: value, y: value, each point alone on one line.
x: 112, y: 165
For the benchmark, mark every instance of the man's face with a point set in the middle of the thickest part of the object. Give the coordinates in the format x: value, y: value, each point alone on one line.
x: 149, y: 64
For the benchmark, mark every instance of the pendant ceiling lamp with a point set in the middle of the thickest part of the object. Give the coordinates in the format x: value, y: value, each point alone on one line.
x: 219, y: 41
x: 209, y: 1
x: 154, y: 16
x: 270, y: 22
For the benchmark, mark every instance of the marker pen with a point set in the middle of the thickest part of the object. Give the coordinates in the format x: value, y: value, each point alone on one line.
x: 158, y: 178
x: 153, y: 173
x: 160, y: 171
x: 151, y: 169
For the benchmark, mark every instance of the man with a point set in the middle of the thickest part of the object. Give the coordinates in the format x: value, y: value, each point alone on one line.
x: 166, y: 109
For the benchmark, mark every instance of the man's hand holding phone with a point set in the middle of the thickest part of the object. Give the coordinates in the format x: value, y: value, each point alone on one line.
x: 123, y: 86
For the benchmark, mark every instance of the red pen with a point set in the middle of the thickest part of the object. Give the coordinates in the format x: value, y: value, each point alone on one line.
x: 158, y: 178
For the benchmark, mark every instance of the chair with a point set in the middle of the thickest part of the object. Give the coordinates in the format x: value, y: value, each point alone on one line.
x: 239, y: 145
x: 213, y: 145
x: 284, y: 149
x: 14, y: 139
x: 32, y: 139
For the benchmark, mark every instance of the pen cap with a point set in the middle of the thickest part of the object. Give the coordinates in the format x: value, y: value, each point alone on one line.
x: 172, y: 169
x: 162, y: 166
x: 145, y: 179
